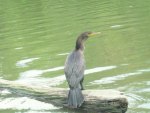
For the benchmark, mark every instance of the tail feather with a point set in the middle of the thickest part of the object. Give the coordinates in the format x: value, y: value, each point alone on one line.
x: 75, y: 97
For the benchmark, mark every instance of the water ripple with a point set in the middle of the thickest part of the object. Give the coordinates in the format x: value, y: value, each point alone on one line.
x: 23, y: 63
x: 25, y: 103
x: 145, y: 106
x: 108, y: 80
x: 30, y: 77
x: 35, y: 73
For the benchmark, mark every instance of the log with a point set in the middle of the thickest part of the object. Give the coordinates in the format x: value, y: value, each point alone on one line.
x: 96, y: 101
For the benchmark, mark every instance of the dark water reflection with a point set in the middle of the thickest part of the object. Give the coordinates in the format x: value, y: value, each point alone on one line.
x: 36, y: 36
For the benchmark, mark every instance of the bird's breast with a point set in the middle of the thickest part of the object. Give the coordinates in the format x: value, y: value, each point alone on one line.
x: 75, y: 61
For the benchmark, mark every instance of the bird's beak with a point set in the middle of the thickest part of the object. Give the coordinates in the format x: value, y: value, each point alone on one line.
x: 94, y: 33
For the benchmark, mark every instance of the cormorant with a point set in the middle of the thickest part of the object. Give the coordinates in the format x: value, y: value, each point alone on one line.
x: 74, y: 71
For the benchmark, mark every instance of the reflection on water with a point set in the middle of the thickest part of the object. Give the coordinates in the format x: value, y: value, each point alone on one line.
x: 31, y: 77
x: 36, y: 37
x: 116, y: 26
x: 61, y: 54
x: 19, y: 48
x: 34, y: 73
x: 134, y: 99
x: 98, y: 69
x: 112, y: 79
x: 5, y: 92
x: 144, y: 90
x: 22, y: 103
x: 25, y: 103
x: 145, y: 106
x: 23, y: 63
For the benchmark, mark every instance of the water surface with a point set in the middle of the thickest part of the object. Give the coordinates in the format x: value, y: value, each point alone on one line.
x: 36, y: 36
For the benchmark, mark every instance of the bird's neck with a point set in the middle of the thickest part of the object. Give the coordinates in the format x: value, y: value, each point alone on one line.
x: 79, y: 44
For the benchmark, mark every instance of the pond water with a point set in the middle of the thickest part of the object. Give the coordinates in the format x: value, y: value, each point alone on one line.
x: 36, y: 37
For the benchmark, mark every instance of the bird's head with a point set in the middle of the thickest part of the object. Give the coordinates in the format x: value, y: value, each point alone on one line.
x: 83, y: 37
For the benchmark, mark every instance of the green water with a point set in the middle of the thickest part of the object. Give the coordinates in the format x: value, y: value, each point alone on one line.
x: 36, y: 36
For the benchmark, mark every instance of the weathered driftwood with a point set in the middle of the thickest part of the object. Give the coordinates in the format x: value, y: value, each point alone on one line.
x: 96, y: 101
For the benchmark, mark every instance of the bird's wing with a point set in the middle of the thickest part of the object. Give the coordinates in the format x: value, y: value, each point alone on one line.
x: 74, y: 70
x: 75, y: 76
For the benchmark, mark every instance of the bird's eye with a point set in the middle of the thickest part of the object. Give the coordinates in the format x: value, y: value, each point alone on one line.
x: 89, y: 33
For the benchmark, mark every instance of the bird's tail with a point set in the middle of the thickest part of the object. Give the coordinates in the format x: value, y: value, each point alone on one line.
x: 75, y: 97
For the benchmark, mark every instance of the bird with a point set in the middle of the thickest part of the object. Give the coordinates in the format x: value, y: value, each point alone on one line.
x: 74, y: 71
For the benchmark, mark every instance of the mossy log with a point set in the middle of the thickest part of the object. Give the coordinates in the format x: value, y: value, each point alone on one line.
x: 96, y: 101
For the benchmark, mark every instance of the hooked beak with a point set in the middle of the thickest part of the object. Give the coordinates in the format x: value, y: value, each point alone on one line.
x: 94, y: 33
